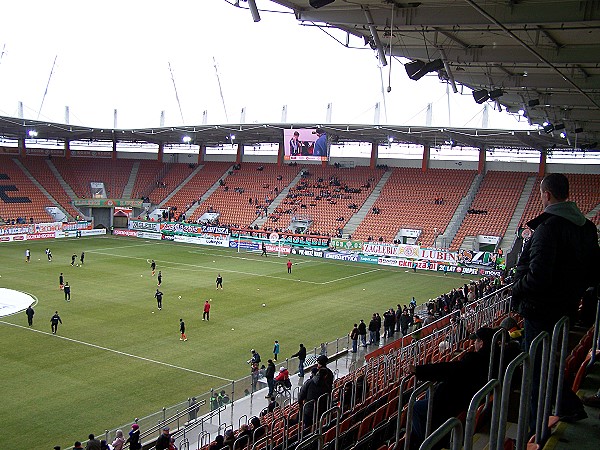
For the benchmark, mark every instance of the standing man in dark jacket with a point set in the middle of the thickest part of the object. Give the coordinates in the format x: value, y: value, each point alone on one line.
x: 301, y: 354
x: 270, y: 376
x: 29, y: 312
x: 354, y: 338
x: 373, y: 330
x: 362, y: 332
x: 316, y: 386
x: 557, y: 264
x: 163, y: 441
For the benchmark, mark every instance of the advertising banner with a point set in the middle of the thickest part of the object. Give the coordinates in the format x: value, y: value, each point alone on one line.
x: 388, y: 262
x: 31, y: 237
x: 409, y: 251
x: 433, y: 254
x: 285, y: 238
x: 13, y: 237
x: 130, y: 233
x: 188, y: 228
x: 368, y: 259
x: 142, y: 225
x: 347, y: 244
x: 244, y: 245
x: 306, y: 252
x: 341, y: 256
x: 107, y: 202
x: 146, y: 235
x: 379, y: 248
x: 15, y: 229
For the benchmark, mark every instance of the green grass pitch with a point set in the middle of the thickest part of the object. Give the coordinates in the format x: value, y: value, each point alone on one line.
x: 117, y: 357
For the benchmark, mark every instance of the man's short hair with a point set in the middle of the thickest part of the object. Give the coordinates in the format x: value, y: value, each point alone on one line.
x: 557, y: 184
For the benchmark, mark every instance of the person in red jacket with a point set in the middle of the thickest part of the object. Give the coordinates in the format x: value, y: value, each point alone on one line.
x: 283, y: 378
x: 206, y: 315
x: 289, y: 266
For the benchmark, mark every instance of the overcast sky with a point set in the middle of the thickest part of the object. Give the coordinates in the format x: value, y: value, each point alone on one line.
x: 115, y: 54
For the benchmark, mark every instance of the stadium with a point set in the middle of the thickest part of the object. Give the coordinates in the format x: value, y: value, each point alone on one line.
x: 313, y: 227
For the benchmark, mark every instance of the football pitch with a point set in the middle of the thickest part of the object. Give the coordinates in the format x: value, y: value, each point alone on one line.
x: 116, y: 356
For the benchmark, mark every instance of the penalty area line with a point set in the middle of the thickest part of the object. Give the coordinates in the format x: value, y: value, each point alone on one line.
x: 118, y: 352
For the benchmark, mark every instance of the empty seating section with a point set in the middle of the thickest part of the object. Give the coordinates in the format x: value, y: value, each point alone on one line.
x: 79, y: 172
x: 198, y: 185
x: 325, y: 196
x: 174, y: 175
x: 496, y: 200
x: 408, y: 200
x: 38, y: 167
x: 584, y: 189
x: 19, y: 197
x: 149, y: 174
x: 232, y: 199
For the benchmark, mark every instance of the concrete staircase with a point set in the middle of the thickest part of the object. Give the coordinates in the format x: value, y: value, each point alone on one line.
x: 40, y: 187
x: 366, y: 207
x: 207, y: 194
x: 64, y: 184
x: 260, y: 221
x: 445, y: 239
x: 182, y: 184
x: 511, y: 231
x: 131, y: 182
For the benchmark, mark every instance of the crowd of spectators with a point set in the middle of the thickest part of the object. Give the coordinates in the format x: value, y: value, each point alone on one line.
x: 17, y: 221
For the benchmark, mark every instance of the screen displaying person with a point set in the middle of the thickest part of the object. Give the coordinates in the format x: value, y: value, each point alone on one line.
x: 320, y: 148
x: 295, y: 144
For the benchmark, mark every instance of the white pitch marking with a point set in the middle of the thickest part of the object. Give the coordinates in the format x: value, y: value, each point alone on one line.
x: 351, y: 276
x: 173, y: 366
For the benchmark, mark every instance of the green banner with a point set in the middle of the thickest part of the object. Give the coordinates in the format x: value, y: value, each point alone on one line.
x: 346, y: 244
x: 107, y: 202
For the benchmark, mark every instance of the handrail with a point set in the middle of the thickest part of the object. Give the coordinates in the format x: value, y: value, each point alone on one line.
x: 427, y: 386
x: 520, y: 360
x: 543, y: 338
x: 491, y: 386
x: 452, y: 425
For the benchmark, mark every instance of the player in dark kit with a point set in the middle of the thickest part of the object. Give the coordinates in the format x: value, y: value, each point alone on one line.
x: 54, y: 322
x: 219, y: 281
x: 61, y: 281
x: 159, y: 296
x: 82, y: 257
x: 182, y: 330
x: 153, y: 267
x: 73, y: 258
x: 264, y: 250
x: 159, y: 278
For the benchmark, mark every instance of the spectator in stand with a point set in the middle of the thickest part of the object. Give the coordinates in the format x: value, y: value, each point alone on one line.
x: 301, y: 354
x: 362, y: 332
x: 229, y: 439
x: 270, y: 376
x: 373, y: 330
x: 93, y: 443
x: 218, y: 443
x: 354, y: 338
x: 309, y: 394
x: 453, y: 394
x: 134, y: 437
x: 119, y: 441
x: 163, y: 441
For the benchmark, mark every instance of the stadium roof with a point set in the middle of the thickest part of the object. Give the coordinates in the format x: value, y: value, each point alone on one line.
x: 543, y: 56
x: 13, y: 128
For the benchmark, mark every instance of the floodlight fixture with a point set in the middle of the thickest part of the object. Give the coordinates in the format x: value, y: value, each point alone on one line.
x: 418, y: 69
x: 481, y: 96
x: 32, y: 133
x: 320, y: 3
x: 186, y: 139
x: 563, y: 134
x: 231, y: 137
x: 496, y: 93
